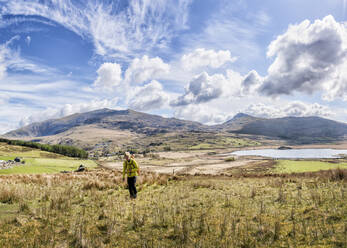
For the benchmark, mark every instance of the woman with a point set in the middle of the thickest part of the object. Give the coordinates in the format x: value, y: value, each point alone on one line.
x: 131, y: 168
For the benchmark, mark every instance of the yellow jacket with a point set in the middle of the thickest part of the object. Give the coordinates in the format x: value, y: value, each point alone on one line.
x: 131, y: 168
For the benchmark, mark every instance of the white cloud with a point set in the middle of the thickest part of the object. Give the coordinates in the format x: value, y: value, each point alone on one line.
x: 296, y: 108
x: 233, y: 27
x: 109, y: 75
x: 115, y: 31
x: 67, y: 109
x: 309, y: 58
x: 204, y: 88
x: 206, y: 58
x: 28, y: 40
x: 6, y: 127
x: 251, y: 82
x: 2, y: 69
x: 144, y: 69
x: 4, y: 99
x: 11, y: 59
x: 148, y: 97
x: 15, y: 20
x: 202, y: 113
x: 6, y: 54
x: 261, y: 18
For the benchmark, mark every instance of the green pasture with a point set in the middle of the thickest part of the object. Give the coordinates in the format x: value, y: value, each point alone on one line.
x: 37, y: 161
x: 47, y: 165
x: 293, y: 166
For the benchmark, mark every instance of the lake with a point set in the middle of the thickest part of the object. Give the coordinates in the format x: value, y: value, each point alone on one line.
x: 292, y: 153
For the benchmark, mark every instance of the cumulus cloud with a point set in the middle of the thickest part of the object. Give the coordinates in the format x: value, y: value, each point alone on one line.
x: 141, y: 70
x: 149, y: 96
x: 201, y: 113
x: 203, y: 58
x: 204, y: 88
x: 296, y: 108
x: 109, y: 75
x: 251, y: 82
x: 67, y: 109
x: 309, y: 58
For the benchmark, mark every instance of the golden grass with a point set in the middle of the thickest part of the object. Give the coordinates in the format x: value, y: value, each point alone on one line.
x: 93, y: 209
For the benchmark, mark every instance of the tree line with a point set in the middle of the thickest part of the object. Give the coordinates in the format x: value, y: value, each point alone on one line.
x: 69, y: 151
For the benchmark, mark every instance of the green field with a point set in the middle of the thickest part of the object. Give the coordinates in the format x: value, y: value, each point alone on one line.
x: 37, y: 161
x: 292, y: 166
x: 47, y: 165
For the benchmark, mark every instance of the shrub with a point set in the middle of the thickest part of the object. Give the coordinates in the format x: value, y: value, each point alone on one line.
x: 230, y: 159
x: 8, y: 196
x: 167, y: 148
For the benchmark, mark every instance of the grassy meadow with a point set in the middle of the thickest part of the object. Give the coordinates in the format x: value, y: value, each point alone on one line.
x: 37, y: 161
x: 294, y: 166
x: 93, y: 209
x: 46, y: 165
x: 259, y: 205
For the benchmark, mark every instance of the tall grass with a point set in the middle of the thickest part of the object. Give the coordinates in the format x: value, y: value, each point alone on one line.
x: 93, y: 209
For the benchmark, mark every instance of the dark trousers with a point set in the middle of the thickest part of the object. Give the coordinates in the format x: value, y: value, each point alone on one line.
x: 132, y: 187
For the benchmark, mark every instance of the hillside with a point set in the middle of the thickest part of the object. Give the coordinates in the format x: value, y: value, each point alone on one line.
x: 36, y: 161
x: 108, y: 119
x: 305, y: 129
x: 105, y: 129
x: 237, y: 122
x: 126, y: 129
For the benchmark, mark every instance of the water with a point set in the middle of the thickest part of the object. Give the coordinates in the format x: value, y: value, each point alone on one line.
x: 292, y: 153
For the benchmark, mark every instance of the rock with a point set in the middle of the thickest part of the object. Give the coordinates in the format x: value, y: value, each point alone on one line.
x: 81, y: 168
x: 284, y: 148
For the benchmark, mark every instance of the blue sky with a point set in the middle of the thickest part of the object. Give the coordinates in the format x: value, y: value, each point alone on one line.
x: 198, y: 60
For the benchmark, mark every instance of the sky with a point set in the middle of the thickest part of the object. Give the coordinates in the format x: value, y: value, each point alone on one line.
x: 200, y: 60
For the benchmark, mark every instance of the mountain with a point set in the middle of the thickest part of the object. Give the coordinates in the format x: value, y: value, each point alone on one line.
x: 108, y: 119
x: 297, y: 128
x: 101, y: 128
x: 237, y: 122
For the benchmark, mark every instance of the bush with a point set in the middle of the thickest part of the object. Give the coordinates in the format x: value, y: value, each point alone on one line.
x: 8, y: 196
x: 230, y: 159
x: 167, y: 148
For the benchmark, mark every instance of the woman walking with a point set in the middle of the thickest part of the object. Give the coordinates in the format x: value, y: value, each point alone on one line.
x: 130, y: 168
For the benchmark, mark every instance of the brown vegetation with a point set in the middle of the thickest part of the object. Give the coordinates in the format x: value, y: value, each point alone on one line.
x: 92, y: 209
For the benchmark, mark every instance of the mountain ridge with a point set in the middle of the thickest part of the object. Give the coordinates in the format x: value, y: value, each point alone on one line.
x: 106, y: 118
x: 122, y: 124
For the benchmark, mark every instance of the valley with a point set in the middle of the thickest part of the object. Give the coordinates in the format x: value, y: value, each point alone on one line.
x: 192, y: 190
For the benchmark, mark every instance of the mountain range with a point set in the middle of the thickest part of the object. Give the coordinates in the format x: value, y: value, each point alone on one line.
x: 106, y: 125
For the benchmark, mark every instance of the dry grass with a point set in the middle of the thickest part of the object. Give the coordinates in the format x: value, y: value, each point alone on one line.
x: 93, y: 209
